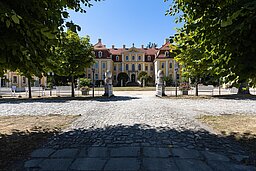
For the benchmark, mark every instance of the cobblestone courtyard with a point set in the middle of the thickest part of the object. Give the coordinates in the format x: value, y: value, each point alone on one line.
x: 136, y: 131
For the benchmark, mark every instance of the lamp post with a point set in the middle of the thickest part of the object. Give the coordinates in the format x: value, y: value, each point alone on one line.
x: 93, y: 70
x: 51, y: 74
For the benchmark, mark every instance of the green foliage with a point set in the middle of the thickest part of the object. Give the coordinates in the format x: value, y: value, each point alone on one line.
x: 83, y: 82
x: 73, y: 55
x: 122, y: 76
x: 30, y: 28
x: 168, y: 80
x: 142, y: 75
x: 151, y: 45
x: 218, y: 39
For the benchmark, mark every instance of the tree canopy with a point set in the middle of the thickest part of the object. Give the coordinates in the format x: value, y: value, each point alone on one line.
x: 72, y: 56
x: 29, y: 29
x: 218, y: 38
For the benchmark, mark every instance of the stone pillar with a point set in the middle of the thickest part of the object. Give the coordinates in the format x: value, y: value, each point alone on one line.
x: 156, y: 69
x: 108, y: 84
x: 160, y: 88
x: 167, y: 68
x: 109, y: 65
x: 100, y: 72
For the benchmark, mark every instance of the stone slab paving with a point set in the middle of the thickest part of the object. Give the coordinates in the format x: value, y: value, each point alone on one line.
x: 136, y: 132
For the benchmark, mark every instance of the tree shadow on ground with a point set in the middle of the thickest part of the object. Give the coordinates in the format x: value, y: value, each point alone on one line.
x: 66, y: 99
x: 236, y: 97
x: 143, y: 136
x: 18, y: 145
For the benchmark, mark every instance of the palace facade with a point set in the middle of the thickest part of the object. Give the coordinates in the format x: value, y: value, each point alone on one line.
x: 132, y: 61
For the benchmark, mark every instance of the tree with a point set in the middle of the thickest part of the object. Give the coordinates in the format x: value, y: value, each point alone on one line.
x: 217, y: 39
x: 72, y: 57
x: 151, y: 45
x: 122, y: 76
x: 143, y: 76
x: 168, y: 80
x: 29, y: 29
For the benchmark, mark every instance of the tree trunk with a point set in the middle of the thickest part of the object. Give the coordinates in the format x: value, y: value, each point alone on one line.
x: 197, y: 89
x: 29, y: 88
x: 243, y: 88
x: 72, y: 86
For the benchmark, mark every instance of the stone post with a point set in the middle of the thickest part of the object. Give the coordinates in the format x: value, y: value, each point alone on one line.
x: 160, y: 87
x: 108, y: 84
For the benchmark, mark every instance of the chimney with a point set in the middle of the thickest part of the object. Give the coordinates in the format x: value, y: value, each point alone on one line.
x: 104, y: 46
x: 142, y: 46
x: 99, y: 40
x: 123, y: 46
x: 113, y: 46
x: 167, y: 41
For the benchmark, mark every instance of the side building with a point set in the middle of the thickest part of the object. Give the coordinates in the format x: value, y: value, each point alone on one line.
x: 131, y: 61
x: 11, y: 78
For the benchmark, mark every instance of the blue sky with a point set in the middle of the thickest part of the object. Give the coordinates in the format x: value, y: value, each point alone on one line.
x: 119, y: 22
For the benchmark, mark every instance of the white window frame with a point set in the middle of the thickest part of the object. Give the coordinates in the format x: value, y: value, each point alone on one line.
x: 99, y: 54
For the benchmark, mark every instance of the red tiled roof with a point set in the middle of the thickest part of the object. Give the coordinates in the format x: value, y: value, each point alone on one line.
x: 116, y: 51
x: 166, y: 46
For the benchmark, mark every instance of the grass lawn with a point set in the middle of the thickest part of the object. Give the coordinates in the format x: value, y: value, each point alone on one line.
x: 241, y: 128
x: 20, y: 135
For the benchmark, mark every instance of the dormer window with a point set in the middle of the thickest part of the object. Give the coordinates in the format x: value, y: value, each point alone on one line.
x: 149, y: 58
x: 117, y: 58
x: 167, y: 53
x: 99, y: 54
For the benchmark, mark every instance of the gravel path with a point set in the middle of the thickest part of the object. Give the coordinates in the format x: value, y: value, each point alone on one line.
x: 134, y: 108
x: 136, y: 131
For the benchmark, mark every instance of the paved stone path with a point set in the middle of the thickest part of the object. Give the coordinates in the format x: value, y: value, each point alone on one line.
x: 138, y: 132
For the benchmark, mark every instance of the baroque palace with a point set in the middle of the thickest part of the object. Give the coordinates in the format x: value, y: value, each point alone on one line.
x: 130, y: 61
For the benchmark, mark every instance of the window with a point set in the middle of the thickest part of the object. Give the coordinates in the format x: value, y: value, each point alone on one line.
x: 115, y: 77
x: 96, y: 76
x: 133, y: 58
x: 149, y: 58
x: 139, y: 67
x: 167, y: 53
x: 114, y: 67
x: 139, y: 58
x: 99, y: 54
x: 162, y: 64
x: 121, y: 68
x: 146, y: 67
x: 170, y: 64
x: 127, y: 58
x: 133, y: 67
x: 103, y: 76
x: 89, y: 75
x: 117, y: 58
x: 14, y: 80
x: 96, y: 66
x: 127, y: 67
x: 151, y: 67
x: 23, y: 80
x: 104, y: 65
